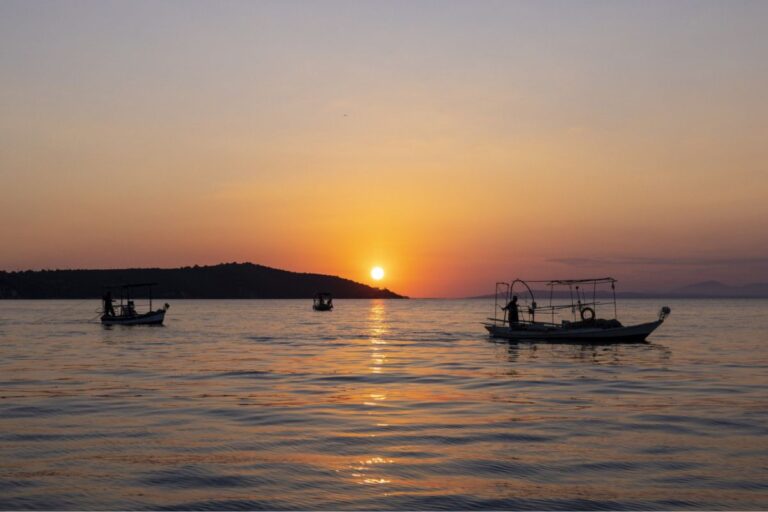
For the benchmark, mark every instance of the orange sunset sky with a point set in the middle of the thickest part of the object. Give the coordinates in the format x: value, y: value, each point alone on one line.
x: 452, y: 143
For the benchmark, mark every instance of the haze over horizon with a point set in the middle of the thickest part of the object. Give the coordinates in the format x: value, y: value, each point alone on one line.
x: 453, y: 144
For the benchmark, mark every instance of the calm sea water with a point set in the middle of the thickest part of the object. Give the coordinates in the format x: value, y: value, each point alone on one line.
x: 379, y: 405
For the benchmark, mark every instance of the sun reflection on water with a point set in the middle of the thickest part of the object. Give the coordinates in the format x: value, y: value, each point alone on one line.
x: 361, y: 471
x: 377, y: 330
x: 368, y: 470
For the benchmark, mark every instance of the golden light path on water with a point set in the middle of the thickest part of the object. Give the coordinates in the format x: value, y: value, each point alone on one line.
x: 365, y: 471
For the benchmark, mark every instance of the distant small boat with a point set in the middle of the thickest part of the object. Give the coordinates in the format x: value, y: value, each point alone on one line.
x: 584, y: 328
x: 126, y: 313
x: 322, y: 302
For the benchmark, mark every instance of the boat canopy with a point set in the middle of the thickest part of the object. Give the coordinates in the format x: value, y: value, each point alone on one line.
x: 570, y: 282
x: 582, y: 297
x: 139, y: 285
x: 126, y: 291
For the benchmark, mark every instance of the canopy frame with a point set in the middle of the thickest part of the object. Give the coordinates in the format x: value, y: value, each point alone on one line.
x: 578, y: 291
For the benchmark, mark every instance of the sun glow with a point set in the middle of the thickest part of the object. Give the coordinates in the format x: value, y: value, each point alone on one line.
x: 377, y: 273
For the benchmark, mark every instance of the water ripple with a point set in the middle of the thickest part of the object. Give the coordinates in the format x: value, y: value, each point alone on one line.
x: 382, y: 405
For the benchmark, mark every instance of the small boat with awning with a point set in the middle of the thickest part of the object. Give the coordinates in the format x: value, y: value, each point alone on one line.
x: 572, y: 319
x: 125, y: 312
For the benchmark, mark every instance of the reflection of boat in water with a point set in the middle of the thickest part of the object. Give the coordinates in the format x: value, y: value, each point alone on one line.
x: 584, y: 328
x: 322, y: 302
x: 126, y: 313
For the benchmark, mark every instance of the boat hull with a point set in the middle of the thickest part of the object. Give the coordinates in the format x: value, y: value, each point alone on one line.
x: 151, y: 318
x: 322, y: 308
x: 550, y: 334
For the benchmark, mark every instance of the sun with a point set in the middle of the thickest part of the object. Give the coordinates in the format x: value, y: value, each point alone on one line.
x: 377, y: 273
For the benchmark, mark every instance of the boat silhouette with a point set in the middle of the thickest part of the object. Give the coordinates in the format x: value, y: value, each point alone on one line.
x: 584, y: 327
x: 126, y: 313
x: 323, y: 301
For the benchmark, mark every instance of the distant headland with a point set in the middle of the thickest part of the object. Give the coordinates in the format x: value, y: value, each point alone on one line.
x: 224, y: 281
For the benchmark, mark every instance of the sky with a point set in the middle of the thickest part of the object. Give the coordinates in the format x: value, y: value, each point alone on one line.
x: 454, y: 144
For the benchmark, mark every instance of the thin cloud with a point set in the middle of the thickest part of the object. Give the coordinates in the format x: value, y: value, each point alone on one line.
x: 652, y: 261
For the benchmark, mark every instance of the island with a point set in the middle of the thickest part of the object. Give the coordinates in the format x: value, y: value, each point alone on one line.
x: 223, y: 281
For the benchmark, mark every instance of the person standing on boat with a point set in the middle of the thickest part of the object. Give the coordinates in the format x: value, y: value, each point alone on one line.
x: 511, y: 310
x: 108, y: 308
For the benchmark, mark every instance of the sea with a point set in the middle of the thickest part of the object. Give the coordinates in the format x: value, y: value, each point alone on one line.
x: 379, y: 405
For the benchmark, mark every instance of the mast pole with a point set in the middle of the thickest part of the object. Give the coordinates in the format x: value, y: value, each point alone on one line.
x: 551, y: 289
x: 594, y: 298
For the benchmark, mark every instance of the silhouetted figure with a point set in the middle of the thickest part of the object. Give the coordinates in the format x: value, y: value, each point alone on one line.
x: 511, y: 310
x: 130, y: 308
x: 108, y: 308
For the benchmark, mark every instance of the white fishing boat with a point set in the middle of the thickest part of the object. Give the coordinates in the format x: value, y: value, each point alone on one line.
x: 125, y: 312
x: 583, y: 300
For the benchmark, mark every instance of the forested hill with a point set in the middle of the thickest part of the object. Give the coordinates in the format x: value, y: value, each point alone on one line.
x: 225, y: 281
